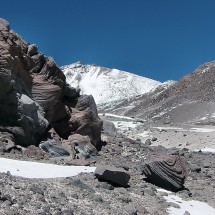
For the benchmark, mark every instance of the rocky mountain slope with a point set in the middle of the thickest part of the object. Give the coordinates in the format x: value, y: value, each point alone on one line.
x: 109, y: 87
x: 189, y: 100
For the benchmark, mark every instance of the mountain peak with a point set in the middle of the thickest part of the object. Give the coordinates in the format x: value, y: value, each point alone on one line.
x: 105, y: 84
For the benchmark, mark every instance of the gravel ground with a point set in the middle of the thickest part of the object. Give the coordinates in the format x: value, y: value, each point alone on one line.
x: 84, y: 194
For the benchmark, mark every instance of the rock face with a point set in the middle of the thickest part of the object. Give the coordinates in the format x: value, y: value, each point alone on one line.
x: 35, y: 97
x: 112, y: 174
x: 167, y: 171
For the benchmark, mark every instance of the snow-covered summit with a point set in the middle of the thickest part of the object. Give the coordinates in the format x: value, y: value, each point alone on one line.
x: 107, y: 85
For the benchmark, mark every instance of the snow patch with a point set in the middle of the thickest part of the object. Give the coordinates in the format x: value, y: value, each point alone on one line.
x: 144, y: 134
x: 204, y: 130
x: 206, y: 149
x: 168, y: 128
x: 200, y: 130
x: 125, y: 126
x: 117, y: 116
x: 192, y: 206
x: 29, y: 169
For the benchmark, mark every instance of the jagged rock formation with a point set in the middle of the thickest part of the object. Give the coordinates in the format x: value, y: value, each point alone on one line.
x: 168, y: 171
x: 35, y: 97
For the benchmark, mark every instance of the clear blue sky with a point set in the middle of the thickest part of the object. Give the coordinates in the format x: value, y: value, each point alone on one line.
x: 159, y: 39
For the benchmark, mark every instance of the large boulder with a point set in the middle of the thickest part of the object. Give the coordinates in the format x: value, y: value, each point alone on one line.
x: 167, y: 171
x: 35, y: 97
x: 85, y: 123
x: 112, y: 174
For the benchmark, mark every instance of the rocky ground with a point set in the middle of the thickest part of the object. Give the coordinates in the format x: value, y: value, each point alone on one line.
x: 85, y: 194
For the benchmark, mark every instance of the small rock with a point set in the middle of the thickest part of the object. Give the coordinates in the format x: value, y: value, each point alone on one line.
x: 36, y: 189
x: 154, y: 138
x: 130, y: 209
x: 186, y: 213
x: 97, y: 198
x: 195, y: 168
x: 106, y: 186
x: 148, y: 142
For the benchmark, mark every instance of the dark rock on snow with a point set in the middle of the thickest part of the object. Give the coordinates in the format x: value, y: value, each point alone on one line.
x: 112, y: 174
x: 167, y: 171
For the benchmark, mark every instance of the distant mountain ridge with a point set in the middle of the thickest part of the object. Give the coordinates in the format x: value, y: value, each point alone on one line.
x: 109, y: 87
x: 189, y: 100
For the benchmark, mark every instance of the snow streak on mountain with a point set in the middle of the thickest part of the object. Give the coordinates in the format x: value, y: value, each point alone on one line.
x: 107, y: 85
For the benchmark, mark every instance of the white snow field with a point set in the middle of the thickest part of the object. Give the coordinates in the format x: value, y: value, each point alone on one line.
x: 107, y: 85
x: 29, y: 169
x: 192, y: 206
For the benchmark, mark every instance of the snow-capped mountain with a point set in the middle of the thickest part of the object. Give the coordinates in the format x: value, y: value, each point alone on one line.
x: 107, y: 85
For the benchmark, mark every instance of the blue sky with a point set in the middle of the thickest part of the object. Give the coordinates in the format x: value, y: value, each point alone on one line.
x: 159, y: 39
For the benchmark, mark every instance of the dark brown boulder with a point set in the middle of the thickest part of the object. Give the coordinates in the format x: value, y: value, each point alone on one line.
x: 112, y: 174
x: 167, y: 171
